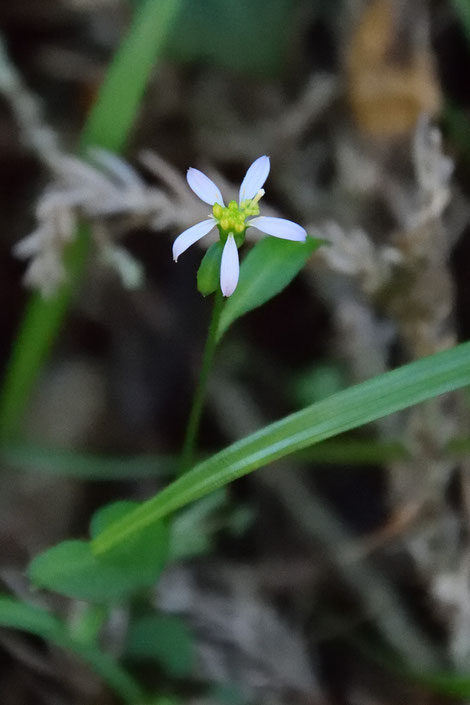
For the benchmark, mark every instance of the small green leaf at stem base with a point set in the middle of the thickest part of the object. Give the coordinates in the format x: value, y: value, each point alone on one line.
x: 71, y: 569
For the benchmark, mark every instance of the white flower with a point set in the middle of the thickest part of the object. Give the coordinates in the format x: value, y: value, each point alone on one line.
x: 232, y: 220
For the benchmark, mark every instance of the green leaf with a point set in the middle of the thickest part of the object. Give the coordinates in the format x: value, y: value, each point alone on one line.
x: 108, y: 126
x: 348, y: 409
x: 246, y: 36
x: 110, y: 513
x: 142, y: 560
x: 266, y: 270
x: 462, y: 9
x: 162, y: 638
x: 17, y: 615
x: 208, y: 274
x: 71, y: 569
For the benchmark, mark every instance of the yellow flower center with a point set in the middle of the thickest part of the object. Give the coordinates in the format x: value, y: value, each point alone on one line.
x: 231, y: 219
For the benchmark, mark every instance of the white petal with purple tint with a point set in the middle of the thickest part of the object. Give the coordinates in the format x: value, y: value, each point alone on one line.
x: 279, y: 227
x: 254, y: 178
x: 204, y: 187
x: 229, y: 267
x: 190, y: 236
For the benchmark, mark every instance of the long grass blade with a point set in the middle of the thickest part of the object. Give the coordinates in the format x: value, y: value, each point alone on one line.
x: 348, y: 409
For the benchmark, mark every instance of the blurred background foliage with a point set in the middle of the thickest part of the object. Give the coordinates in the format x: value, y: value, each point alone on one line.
x: 339, y: 575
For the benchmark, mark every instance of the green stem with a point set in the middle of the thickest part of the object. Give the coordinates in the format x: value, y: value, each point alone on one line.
x: 187, y: 453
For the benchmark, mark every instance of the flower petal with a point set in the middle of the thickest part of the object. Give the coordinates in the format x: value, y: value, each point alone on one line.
x: 279, y: 227
x: 254, y: 178
x: 190, y: 236
x: 229, y: 267
x: 204, y: 187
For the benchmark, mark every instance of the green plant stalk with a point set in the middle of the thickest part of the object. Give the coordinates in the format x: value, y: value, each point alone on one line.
x: 40, y: 325
x: 33, y: 620
x: 351, y: 408
x: 108, y: 126
x: 194, y: 420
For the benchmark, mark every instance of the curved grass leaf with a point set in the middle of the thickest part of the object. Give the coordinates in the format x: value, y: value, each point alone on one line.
x: 266, y: 270
x: 18, y: 615
x: 348, y: 409
x: 108, y: 126
x: 110, y: 121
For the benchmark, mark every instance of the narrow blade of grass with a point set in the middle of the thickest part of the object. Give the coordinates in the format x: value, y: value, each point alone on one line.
x: 350, y: 452
x: 86, y: 466
x: 113, y: 116
x: 39, y: 327
x: 348, y: 409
